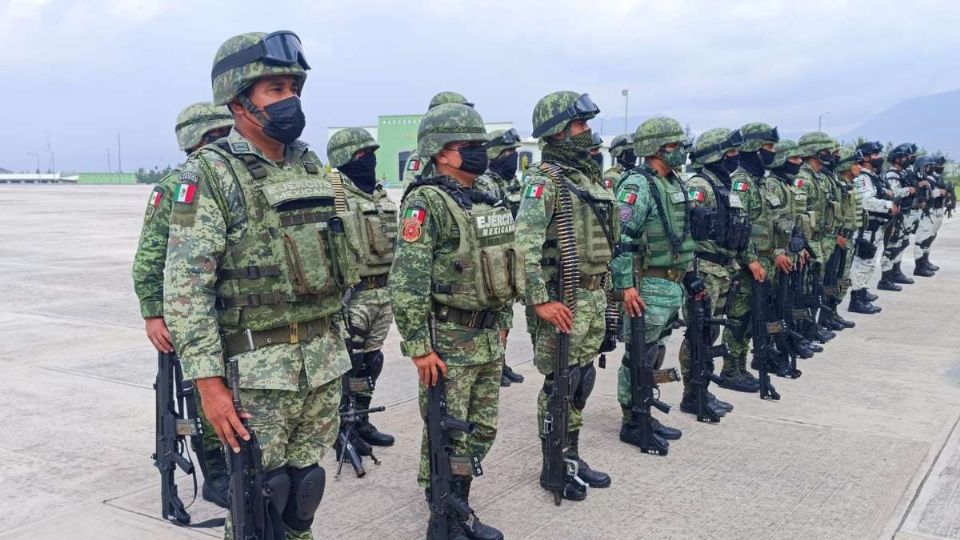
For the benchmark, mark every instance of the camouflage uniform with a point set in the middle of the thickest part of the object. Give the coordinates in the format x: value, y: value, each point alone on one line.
x: 853, y: 219
x: 876, y: 205
x: 193, y: 124
x: 414, y: 165
x: 255, y: 274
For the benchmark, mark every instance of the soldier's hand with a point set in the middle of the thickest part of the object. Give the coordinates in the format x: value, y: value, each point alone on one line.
x: 158, y: 334
x: 633, y: 302
x: 894, y: 210
x: 841, y: 241
x: 911, y: 190
x: 759, y: 274
x: 924, y: 183
x: 784, y: 263
x: 217, y: 404
x: 428, y: 366
x: 503, y: 336
x: 556, y: 314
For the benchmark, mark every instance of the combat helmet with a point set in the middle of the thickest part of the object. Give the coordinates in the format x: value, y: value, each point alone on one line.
x: 848, y: 158
x: 196, y: 120
x: 815, y: 141
x: 712, y: 144
x: 619, y: 144
x: 656, y: 132
x: 554, y: 111
x: 500, y: 140
x: 866, y: 149
x: 923, y: 163
x: 243, y: 59
x: 786, y: 149
x: 901, y: 150
x: 757, y: 134
x: 447, y: 123
x: 346, y: 142
x: 448, y: 97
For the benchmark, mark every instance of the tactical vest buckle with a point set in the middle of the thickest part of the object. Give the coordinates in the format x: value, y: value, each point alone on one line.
x: 294, y: 333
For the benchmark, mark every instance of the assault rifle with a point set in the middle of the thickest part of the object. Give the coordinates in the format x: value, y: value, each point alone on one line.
x: 173, y: 427
x: 764, y: 354
x: 645, y: 392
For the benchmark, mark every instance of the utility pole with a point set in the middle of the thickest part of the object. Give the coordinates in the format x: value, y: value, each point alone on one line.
x: 820, y: 120
x: 119, y: 163
x: 109, y: 166
x: 36, y: 155
x: 626, y: 107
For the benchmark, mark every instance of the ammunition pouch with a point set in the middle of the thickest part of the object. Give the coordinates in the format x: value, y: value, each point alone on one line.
x: 702, y: 223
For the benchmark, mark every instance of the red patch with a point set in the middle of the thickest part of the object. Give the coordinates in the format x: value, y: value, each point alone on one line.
x: 411, y: 230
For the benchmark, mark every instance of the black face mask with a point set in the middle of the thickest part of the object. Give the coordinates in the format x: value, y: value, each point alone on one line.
x: 473, y: 159
x: 826, y: 157
x: 627, y: 159
x: 598, y: 158
x: 719, y: 169
x: 285, y: 120
x: 767, y: 157
x: 791, y: 168
x: 362, y: 172
x: 752, y: 163
x: 730, y: 164
x: 877, y: 164
x: 505, y: 166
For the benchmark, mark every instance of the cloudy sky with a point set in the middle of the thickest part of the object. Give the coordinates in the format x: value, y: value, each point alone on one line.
x: 77, y: 72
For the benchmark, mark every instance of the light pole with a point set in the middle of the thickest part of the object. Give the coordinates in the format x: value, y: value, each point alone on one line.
x: 108, y: 159
x: 820, y: 120
x: 36, y: 155
x: 53, y: 160
x: 626, y: 107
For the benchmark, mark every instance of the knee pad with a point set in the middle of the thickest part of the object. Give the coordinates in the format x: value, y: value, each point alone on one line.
x: 661, y: 355
x: 925, y: 244
x: 276, y: 495
x: 588, y: 377
x: 575, y: 376
x: 306, y: 492
x: 373, y: 362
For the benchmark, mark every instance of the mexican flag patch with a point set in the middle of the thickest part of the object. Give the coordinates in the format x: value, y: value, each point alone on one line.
x: 414, y: 165
x: 185, y: 193
x: 156, y: 197
x: 418, y: 215
x: 798, y: 183
x: 696, y: 195
x: 534, y: 191
x: 740, y: 185
x: 627, y: 197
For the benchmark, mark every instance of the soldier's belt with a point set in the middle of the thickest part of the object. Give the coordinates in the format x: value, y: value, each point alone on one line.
x: 591, y: 282
x: 482, y: 319
x: 715, y: 258
x: 250, y: 340
x: 371, y: 282
x: 672, y: 273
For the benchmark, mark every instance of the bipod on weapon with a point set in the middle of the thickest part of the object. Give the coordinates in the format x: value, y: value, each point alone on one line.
x: 349, y: 419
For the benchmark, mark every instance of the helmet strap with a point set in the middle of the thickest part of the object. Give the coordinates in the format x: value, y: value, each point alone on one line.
x: 254, y: 110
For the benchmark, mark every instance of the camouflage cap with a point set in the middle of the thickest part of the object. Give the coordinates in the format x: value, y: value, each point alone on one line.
x: 196, y: 120
x: 447, y: 123
x: 656, y: 132
x: 620, y: 143
x: 556, y: 110
x: 230, y: 83
x: 346, y: 142
x: 786, y: 149
x: 848, y: 158
x: 448, y: 97
x: 712, y: 144
x: 756, y: 134
x: 500, y: 140
x: 815, y: 141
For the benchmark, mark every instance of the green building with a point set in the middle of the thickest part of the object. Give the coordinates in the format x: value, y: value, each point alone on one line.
x: 107, y: 178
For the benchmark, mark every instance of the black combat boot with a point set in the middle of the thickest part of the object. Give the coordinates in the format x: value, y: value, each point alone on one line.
x: 717, y: 403
x: 574, y: 489
x: 667, y: 432
x: 860, y: 304
x: 928, y: 264
x: 367, y: 431
x: 813, y: 347
x: 216, y: 479
x: 838, y: 319
x: 887, y: 283
x: 827, y: 321
x: 504, y: 380
x: 689, y: 405
x: 473, y: 528
x: 919, y: 269
x: 899, y: 277
x: 594, y: 479
x: 511, y: 375
x: 870, y: 296
x: 453, y: 525
x: 732, y: 377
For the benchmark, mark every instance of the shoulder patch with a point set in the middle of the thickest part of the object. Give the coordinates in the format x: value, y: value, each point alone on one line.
x: 413, y: 165
x: 696, y: 194
x: 798, y: 182
x: 626, y: 212
x: 156, y: 196
x: 533, y: 191
x: 240, y: 146
x: 627, y: 197
x: 185, y: 192
x: 741, y: 185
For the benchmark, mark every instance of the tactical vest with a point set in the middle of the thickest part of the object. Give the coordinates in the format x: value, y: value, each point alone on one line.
x: 485, y: 271
x: 817, y: 201
x: 592, y: 215
x: 902, y: 181
x: 875, y: 220
x: 733, y: 224
x: 293, y: 261
x: 671, y: 199
x: 936, y: 181
x: 775, y: 209
x: 373, y: 220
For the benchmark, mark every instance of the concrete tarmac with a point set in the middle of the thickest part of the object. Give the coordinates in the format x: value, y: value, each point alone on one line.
x: 864, y: 445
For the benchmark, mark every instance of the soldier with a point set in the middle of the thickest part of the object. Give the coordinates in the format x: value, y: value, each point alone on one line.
x: 500, y: 179
x: 452, y: 287
x: 368, y: 316
x: 654, y: 251
x: 766, y: 205
x: 256, y: 267
x: 715, y: 157
x: 624, y: 159
x: 414, y: 166
x: 940, y: 207
x: 899, y: 182
x: 816, y: 149
x: 853, y: 220
x: 197, y: 125
x: 880, y: 209
x: 931, y: 215
x: 567, y: 170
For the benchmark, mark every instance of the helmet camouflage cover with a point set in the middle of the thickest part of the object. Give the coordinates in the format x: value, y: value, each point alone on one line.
x: 815, y: 141
x: 848, y: 158
x: 556, y: 110
x: 712, y: 144
x: 447, y: 123
x: 656, y: 132
x: 448, y: 97
x: 232, y: 82
x: 620, y: 143
x: 196, y: 120
x: 346, y: 142
x: 756, y: 134
x: 500, y: 140
x: 786, y: 149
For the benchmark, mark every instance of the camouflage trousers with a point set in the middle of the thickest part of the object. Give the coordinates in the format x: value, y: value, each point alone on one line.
x: 736, y: 334
x: 862, y: 269
x: 664, y: 299
x: 589, y: 326
x: 473, y: 394
x: 845, y: 282
x: 927, y: 230
x: 899, y: 242
x: 717, y: 280
x: 369, y: 317
x: 295, y: 429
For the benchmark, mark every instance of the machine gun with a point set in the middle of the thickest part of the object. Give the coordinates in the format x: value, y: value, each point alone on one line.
x: 350, y: 416
x: 645, y: 390
x: 764, y: 356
